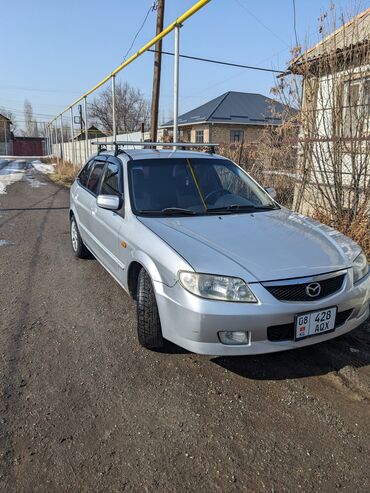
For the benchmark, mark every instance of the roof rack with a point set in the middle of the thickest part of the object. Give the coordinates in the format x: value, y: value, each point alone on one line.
x: 119, y: 144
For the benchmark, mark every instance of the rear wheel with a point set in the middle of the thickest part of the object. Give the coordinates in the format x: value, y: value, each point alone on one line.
x: 148, y: 324
x: 78, y: 246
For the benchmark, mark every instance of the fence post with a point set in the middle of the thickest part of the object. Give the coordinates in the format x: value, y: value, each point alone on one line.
x: 55, y: 138
x: 86, y: 129
x: 5, y: 139
x: 72, y: 139
x: 176, y: 84
x: 62, y: 138
x: 114, y: 125
x: 48, y: 140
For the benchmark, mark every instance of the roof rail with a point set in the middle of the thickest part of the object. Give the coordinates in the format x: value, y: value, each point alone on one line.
x: 122, y: 143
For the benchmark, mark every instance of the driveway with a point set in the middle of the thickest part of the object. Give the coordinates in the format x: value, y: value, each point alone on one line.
x: 84, y: 408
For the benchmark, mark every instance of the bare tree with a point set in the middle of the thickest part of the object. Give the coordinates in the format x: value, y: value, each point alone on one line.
x: 31, y: 125
x: 334, y: 145
x: 132, y: 109
x: 319, y: 158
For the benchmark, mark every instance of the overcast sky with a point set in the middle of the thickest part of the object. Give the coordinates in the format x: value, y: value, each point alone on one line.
x: 53, y: 51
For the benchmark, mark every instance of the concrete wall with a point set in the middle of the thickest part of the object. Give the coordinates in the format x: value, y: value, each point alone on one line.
x: 74, y: 152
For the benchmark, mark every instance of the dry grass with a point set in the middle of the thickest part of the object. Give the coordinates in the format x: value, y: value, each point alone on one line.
x: 64, y: 172
x: 283, y: 179
x: 358, y: 228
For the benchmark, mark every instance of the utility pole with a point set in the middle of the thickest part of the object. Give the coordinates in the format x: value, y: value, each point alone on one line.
x: 157, y: 73
x: 81, y: 119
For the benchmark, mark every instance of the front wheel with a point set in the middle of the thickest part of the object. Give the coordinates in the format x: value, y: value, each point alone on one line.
x: 148, y: 324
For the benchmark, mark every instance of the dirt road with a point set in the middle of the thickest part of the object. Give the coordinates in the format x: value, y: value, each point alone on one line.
x: 84, y: 408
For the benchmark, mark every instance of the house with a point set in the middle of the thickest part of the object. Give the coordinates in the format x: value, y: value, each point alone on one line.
x: 93, y: 133
x: 334, y: 150
x: 230, y: 118
x: 6, y: 147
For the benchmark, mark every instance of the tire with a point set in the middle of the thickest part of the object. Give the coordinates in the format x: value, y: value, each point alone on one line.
x: 78, y: 246
x: 148, y: 323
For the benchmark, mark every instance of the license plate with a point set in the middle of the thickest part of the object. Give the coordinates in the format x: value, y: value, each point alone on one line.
x: 315, y: 323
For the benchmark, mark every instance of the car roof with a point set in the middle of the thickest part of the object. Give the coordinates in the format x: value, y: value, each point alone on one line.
x: 136, y: 154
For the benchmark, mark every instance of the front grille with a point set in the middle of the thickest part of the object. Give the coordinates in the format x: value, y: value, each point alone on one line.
x: 285, y: 332
x: 297, y: 292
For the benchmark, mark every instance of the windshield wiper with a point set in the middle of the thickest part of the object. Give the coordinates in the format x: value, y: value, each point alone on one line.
x: 168, y: 211
x: 242, y: 208
x: 177, y: 210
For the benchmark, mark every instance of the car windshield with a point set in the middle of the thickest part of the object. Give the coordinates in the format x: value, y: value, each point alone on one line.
x: 194, y: 186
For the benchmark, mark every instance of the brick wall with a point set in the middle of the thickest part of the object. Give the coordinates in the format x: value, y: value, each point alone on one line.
x: 220, y: 134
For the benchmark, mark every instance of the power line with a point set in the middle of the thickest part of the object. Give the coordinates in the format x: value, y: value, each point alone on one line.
x: 220, y: 62
x: 262, y: 23
x: 22, y: 112
x: 151, y: 9
x: 25, y: 88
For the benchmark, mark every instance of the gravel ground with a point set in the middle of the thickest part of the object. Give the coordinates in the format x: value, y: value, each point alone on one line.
x: 84, y: 408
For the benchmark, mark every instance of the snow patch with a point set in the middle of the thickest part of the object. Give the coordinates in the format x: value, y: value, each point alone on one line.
x: 10, y: 174
x: 6, y: 243
x: 42, y: 167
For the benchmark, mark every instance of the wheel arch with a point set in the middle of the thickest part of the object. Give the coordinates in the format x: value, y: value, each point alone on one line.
x: 141, y: 261
x: 132, y: 278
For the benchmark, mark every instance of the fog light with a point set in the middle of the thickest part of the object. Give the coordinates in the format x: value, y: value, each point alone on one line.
x: 233, y: 338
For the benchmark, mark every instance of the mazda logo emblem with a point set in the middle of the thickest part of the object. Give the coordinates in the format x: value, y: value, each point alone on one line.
x: 313, y: 289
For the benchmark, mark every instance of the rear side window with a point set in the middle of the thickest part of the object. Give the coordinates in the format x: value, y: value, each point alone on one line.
x: 85, y: 173
x: 96, y: 172
x: 111, y: 184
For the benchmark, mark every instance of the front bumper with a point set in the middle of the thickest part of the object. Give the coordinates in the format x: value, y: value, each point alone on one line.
x: 193, y: 323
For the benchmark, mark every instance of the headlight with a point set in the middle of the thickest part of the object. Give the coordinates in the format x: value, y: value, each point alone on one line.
x: 360, y: 267
x: 217, y: 287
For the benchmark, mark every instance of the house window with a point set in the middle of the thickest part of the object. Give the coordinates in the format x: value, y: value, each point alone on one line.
x: 356, y: 106
x: 236, y: 136
x: 199, y: 136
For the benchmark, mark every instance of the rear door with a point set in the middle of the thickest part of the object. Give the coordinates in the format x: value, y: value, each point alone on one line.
x: 85, y: 197
x: 106, y: 223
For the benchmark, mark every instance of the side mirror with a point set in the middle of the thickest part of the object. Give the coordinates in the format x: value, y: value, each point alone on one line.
x: 271, y: 191
x: 110, y: 202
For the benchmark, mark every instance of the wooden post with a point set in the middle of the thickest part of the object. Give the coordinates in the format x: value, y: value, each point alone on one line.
x: 157, y: 74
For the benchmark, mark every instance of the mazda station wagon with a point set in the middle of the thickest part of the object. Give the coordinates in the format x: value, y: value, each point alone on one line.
x: 214, y: 263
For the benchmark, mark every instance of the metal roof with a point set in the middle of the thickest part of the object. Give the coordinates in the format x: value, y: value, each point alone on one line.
x: 351, y: 34
x: 234, y: 107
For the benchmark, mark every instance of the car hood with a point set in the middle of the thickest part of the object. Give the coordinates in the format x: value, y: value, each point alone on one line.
x: 262, y: 246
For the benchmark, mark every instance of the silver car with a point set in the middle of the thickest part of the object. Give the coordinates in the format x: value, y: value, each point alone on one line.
x: 214, y: 263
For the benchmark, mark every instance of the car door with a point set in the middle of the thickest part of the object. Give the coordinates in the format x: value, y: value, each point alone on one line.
x: 85, y: 198
x: 107, y: 223
x: 79, y: 199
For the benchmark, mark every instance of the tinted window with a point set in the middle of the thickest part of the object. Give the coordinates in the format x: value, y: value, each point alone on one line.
x: 111, y: 183
x: 196, y: 184
x: 85, y: 173
x: 162, y: 183
x: 96, y: 172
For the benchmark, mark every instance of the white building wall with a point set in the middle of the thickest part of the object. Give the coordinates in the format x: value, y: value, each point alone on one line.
x: 74, y: 152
